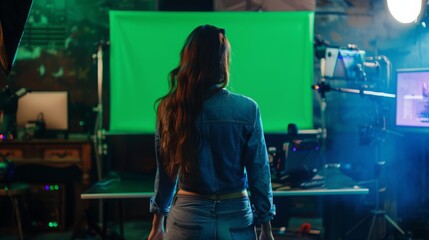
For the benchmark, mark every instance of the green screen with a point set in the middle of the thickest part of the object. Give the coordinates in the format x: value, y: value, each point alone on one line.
x: 271, y: 62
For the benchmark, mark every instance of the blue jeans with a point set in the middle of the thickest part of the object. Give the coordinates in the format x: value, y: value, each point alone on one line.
x: 195, y: 218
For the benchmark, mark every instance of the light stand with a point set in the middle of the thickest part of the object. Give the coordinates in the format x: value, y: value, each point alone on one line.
x: 100, y: 149
x: 99, y: 135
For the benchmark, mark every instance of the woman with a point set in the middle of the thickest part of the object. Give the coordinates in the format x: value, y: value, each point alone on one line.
x: 210, y: 144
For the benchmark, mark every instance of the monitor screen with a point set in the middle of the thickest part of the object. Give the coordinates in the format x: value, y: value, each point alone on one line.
x: 51, y: 106
x: 412, y: 99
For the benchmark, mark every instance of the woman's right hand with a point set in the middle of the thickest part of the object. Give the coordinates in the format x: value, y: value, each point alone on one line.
x: 157, y: 232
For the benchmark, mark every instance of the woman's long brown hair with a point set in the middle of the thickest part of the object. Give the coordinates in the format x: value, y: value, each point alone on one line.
x: 203, y: 70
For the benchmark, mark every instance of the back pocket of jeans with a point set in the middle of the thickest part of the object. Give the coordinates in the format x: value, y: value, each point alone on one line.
x: 243, y: 233
x: 184, y: 231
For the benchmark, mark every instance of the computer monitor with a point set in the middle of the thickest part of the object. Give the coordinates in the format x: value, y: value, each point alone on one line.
x: 302, y: 154
x: 51, y: 105
x: 412, y: 100
x: 302, y: 158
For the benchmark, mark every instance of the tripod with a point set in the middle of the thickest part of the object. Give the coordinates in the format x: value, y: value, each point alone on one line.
x: 377, y: 213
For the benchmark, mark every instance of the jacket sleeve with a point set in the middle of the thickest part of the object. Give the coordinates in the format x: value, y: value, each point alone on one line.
x: 258, y: 172
x: 164, y: 187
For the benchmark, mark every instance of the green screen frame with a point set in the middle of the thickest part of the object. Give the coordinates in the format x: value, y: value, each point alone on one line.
x: 271, y: 62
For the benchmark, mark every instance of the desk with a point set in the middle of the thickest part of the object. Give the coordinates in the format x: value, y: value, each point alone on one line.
x: 132, y: 189
x: 119, y: 189
x: 321, y: 192
x: 323, y: 204
x: 57, y: 153
x: 50, y: 152
x: 143, y: 188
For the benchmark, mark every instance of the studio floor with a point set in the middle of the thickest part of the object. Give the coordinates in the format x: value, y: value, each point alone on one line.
x: 133, y: 230
x: 139, y: 230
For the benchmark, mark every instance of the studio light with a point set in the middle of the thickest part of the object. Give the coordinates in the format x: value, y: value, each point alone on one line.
x: 405, y: 11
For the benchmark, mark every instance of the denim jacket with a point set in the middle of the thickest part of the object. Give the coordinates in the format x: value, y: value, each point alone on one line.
x: 232, y: 156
